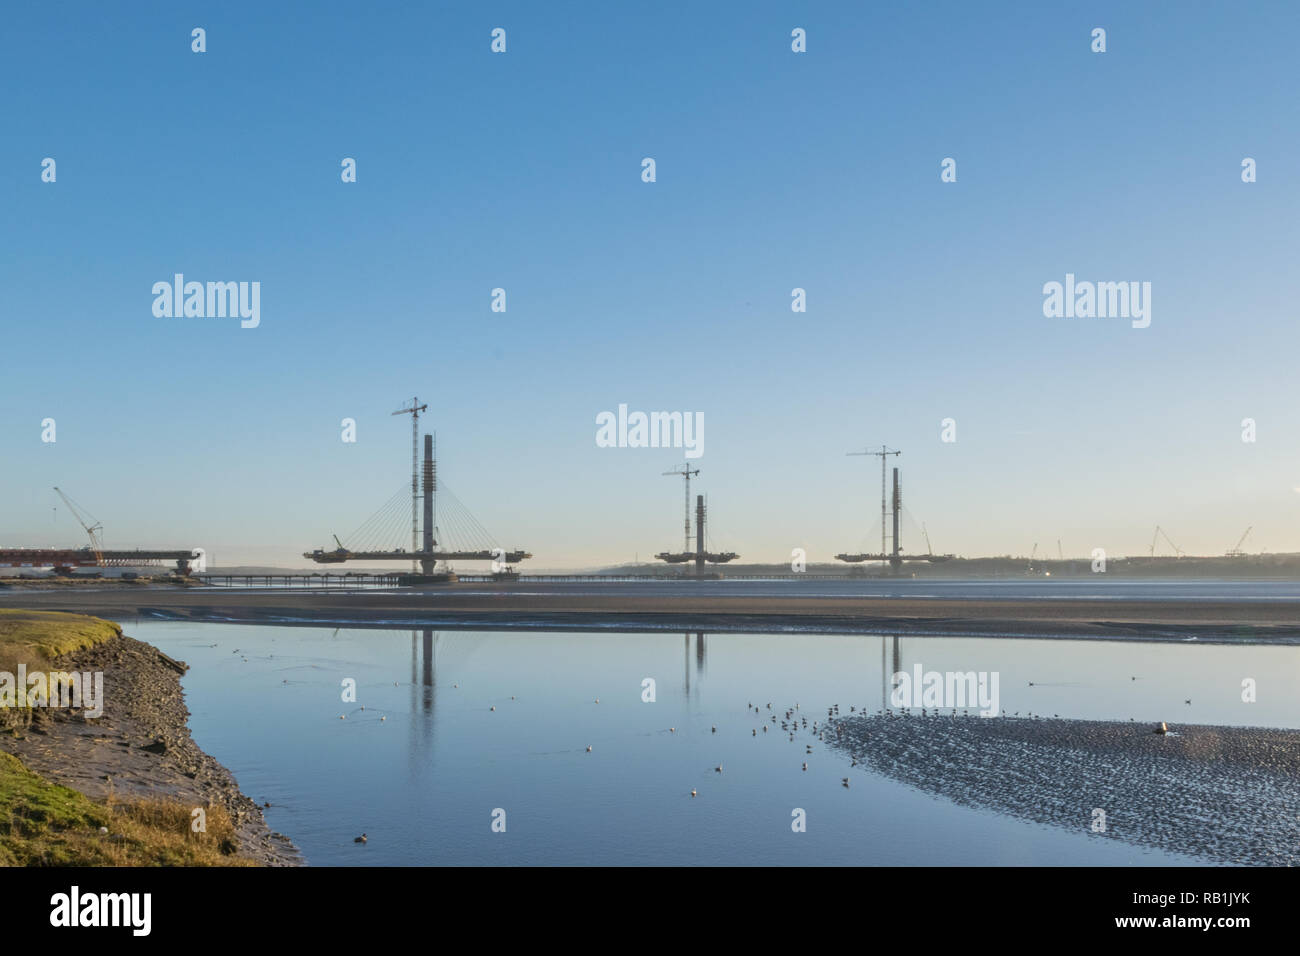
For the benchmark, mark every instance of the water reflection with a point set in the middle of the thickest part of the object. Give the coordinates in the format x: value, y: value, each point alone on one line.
x: 456, y: 758
x: 701, y: 655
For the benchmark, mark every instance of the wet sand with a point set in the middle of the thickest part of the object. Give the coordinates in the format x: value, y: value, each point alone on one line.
x: 1224, y: 794
x: 650, y: 608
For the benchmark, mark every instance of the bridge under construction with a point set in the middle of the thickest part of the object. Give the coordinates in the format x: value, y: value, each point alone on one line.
x: 700, y: 556
x: 469, y: 540
x: 63, y: 560
x: 894, y: 556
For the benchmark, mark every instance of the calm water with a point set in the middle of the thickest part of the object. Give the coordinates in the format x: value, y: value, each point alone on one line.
x: 423, y: 782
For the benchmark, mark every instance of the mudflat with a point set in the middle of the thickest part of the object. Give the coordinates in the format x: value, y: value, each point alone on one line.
x: 1225, y: 794
x: 649, y: 608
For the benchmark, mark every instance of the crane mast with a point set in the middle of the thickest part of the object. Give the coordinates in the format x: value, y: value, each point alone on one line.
x: 883, y: 454
x: 686, y: 472
x: 414, y: 410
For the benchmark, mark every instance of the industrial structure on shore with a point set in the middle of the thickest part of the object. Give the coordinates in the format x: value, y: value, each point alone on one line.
x: 63, y: 560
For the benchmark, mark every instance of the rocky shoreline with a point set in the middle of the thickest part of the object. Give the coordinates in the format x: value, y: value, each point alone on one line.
x: 140, y: 747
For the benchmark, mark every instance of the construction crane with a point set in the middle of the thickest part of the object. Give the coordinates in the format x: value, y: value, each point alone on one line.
x: 93, y: 531
x: 883, y: 454
x: 929, y: 548
x: 1236, y: 552
x: 414, y: 410
x: 1160, y: 532
x: 685, y: 472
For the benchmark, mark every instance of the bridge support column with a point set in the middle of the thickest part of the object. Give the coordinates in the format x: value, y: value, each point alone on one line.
x: 426, y: 564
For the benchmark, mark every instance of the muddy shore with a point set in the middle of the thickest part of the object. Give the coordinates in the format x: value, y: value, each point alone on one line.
x: 141, y: 746
x: 558, y: 608
x: 1228, y: 795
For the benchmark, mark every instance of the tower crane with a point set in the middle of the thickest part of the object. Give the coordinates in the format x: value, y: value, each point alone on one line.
x: 883, y: 454
x: 93, y: 531
x: 686, y: 472
x: 414, y: 410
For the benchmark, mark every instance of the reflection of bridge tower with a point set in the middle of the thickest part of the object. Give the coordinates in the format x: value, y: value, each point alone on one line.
x: 424, y: 646
x: 426, y: 678
x: 422, y: 670
x: 701, y: 656
x: 886, y: 672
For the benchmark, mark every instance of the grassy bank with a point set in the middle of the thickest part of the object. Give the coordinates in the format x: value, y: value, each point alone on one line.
x: 44, y: 824
x: 29, y: 636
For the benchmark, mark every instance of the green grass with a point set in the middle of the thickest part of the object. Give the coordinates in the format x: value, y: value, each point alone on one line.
x: 45, y: 824
x: 29, y: 636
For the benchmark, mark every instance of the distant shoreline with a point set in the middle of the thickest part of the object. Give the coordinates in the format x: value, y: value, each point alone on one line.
x: 648, y: 609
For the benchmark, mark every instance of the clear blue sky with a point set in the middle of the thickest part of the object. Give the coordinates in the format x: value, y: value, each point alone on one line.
x: 775, y: 170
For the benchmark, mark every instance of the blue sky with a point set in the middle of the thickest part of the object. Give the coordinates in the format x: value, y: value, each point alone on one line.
x: 775, y: 170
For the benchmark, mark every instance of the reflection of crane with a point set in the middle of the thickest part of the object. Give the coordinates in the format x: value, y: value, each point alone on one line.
x: 96, y: 546
x: 1236, y: 552
x: 685, y: 472
x: 1160, y: 532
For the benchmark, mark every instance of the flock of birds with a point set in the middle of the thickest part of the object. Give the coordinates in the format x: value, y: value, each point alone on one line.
x: 794, y: 720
